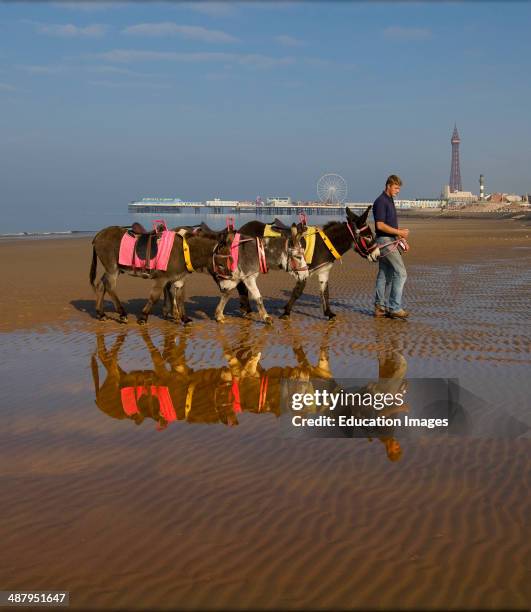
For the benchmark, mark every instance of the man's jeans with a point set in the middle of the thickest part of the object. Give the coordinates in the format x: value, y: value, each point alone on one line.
x: 391, y: 276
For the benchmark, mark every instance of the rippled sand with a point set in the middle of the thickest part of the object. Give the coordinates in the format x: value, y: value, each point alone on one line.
x: 217, y: 509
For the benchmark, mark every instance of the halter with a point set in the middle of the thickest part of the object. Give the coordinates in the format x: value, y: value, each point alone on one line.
x: 292, y: 264
x: 360, y: 244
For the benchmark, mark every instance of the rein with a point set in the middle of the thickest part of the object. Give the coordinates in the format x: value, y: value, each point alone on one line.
x: 393, y: 246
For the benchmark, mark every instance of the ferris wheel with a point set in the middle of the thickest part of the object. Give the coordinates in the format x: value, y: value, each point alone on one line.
x: 332, y: 189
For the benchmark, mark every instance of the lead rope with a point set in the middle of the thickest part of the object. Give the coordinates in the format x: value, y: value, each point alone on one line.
x: 393, y: 246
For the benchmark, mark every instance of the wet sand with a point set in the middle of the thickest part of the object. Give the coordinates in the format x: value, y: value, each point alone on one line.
x: 217, y: 509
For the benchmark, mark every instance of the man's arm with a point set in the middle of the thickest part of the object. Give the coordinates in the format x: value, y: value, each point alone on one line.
x: 383, y: 227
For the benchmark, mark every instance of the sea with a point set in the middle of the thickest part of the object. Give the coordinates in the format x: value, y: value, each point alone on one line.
x: 46, y: 227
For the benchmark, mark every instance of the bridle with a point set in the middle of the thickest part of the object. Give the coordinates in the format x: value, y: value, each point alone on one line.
x: 360, y: 244
x: 295, y: 254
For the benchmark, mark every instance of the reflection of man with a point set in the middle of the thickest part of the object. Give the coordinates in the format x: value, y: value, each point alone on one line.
x: 392, y: 272
x: 392, y: 448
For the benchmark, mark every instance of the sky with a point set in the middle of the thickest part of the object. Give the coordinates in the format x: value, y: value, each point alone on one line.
x: 104, y: 103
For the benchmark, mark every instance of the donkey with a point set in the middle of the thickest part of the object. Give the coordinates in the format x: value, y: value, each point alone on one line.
x: 353, y: 233
x: 281, y: 252
x: 106, y: 249
x: 252, y: 229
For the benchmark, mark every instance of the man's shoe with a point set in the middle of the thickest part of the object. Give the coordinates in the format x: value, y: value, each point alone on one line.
x: 399, y: 314
x: 380, y: 311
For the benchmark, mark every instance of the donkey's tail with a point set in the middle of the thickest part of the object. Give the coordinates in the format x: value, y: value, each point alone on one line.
x: 93, y: 267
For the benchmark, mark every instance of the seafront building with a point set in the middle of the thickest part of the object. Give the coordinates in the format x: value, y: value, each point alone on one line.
x: 458, y: 196
x: 279, y: 201
x: 452, y: 197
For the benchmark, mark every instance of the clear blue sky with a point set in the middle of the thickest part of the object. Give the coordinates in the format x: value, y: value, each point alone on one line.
x: 104, y: 103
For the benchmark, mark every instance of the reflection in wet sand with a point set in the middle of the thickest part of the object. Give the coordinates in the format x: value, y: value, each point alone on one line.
x: 216, y: 517
x: 173, y: 391
x: 129, y: 517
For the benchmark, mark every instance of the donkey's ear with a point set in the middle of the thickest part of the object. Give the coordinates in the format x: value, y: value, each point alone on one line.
x: 351, y: 216
x: 363, y: 219
x: 294, y: 230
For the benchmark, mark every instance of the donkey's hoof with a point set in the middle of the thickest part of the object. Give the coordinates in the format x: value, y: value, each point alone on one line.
x: 331, y: 315
x: 141, y: 321
x: 220, y: 319
x: 285, y: 316
x: 268, y: 320
x: 123, y: 319
x: 102, y: 317
x: 186, y: 320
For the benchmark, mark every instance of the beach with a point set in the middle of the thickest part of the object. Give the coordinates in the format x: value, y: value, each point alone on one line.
x: 218, y: 509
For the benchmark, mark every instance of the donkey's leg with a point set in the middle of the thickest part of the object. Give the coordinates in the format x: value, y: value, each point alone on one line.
x: 226, y: 286
x: 100, y: 294
x: 110, y: 287
x: 178, y: 287
x: 245, y: 306
x: 169, y: 307
x: 156, y: 290
x: 250, y: 283
x: 295, y: 295
x: 323, y: 275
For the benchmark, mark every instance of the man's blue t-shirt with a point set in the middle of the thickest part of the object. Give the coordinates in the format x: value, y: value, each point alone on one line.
x: 384, y: 210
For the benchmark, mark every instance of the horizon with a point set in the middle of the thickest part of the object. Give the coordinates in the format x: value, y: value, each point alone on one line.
x: 106, y: 102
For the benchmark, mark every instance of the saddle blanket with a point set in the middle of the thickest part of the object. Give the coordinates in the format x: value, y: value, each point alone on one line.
x: 131, y: 395
x: 128, y: 257
x: 234, y: 253
x: 269, y: 232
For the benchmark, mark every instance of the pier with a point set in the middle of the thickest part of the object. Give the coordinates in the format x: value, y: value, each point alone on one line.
x: 264, y: 209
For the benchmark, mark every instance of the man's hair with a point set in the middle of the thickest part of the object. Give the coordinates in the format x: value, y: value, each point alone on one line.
x: 393, y: 180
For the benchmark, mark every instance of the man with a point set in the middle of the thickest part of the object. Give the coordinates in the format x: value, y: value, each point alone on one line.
x: 392, y: 272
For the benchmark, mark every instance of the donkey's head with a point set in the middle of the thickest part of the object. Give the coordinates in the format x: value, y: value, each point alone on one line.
x: 295, y: 261
x: 362, y: 234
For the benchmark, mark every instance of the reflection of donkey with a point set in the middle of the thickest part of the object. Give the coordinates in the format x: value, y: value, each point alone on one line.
x: 106, y: 248
x: 173, y: 391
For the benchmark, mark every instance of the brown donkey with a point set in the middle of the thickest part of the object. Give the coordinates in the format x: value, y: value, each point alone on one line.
x: 203, y: 250
x: 106, y: 248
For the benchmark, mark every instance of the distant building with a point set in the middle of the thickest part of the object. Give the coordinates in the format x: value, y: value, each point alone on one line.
x: 455, y: 169
x: 499, y: 198
x: 219, y: 202
x: 512, y: 197
x: 458, y: 196
x: 351, y: 204
x: 428, y: 203
x: 481, y: 187
x: 276, y: 201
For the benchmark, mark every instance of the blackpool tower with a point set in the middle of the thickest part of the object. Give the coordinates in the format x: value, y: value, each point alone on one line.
x: 455, y: 172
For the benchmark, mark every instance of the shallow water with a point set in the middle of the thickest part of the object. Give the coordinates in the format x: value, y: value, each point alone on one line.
x: 128, y: 505
x: 133, y: 511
